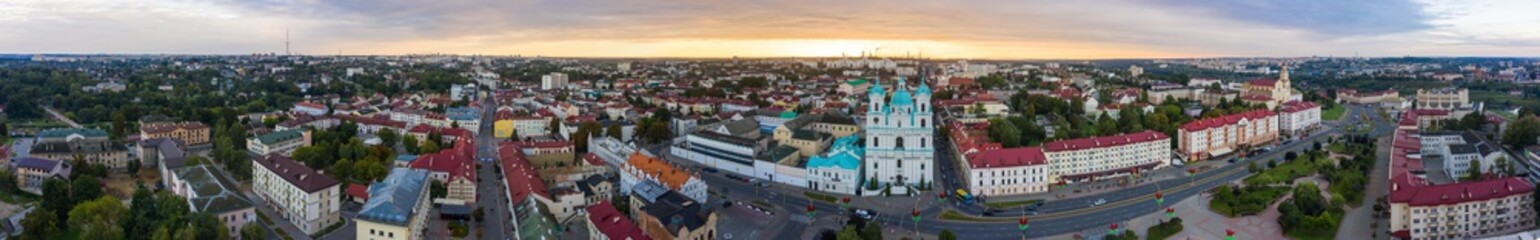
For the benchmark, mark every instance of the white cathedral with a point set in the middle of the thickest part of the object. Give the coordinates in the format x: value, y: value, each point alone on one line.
x: 900, y: 136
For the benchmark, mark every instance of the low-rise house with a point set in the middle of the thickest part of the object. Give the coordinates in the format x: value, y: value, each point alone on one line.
x: 206, y: 192
x: 31, y: 172
x: 607, y: 223
x: 665, y: 214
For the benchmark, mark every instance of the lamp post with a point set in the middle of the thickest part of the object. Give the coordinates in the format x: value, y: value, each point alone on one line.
x: 915, y: 214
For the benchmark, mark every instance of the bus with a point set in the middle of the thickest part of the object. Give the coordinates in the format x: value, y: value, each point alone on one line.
x: 964, y: 197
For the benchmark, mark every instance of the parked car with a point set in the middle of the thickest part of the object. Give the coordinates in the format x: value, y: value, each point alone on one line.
x: 711, y: 170
x: 1099, y: 202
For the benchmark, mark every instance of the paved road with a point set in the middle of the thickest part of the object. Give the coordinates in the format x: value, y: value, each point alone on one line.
x: 1053, y: 218
x: 60, y: 117
x: 489, y: 183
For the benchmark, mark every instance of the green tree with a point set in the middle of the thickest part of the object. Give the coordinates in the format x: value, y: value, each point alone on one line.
x: 342, y: 170
x: 209, y: 226
x: 1522, y: 133
x: 85, y: 188
x: 388, y: 137
x: 873, y: 231
x: 554, y: 128
x: 252, y: 230
x: 946, y: 234
x: 410, y: 142
x: 614, y: 131
x: 367, y: 171
x: 8, y: 181
x: 56, y: 198
x: 98, y: 219
x: 429, y: 147
x: 40, y: 225
x: 849, y: 233
x: 1474, y: 172
x: 1105, y: 125
x: 143, y: 214
x: 437, y: 190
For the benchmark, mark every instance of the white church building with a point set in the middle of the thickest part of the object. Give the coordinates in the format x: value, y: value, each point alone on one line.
x: 900, y: 147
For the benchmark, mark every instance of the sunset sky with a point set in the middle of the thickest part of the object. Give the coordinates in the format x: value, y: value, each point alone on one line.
x: 1005, y: 29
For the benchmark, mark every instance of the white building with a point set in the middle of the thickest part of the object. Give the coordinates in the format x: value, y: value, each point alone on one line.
x: 309, y: 108
x: 1459, y: 150
x: 1010, y: 171
x: 1299, y: 118
x: 641, y: 167
x: 838, y: 171
x: 1448, y: 99
x: 898, y: 131
x: 280, y: 142
x: 301, y: 195
x: 611, y: 150
x: 1110, y: 156
x: 554, y: 80
x: 719, y: 150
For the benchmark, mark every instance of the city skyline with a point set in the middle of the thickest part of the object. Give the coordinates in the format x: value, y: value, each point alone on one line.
x: 702, y: 29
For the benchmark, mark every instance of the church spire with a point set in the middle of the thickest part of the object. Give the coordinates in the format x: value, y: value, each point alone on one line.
x: 1284, y: 75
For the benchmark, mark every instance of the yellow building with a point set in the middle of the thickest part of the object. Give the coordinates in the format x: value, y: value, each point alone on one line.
x: 191, y: 133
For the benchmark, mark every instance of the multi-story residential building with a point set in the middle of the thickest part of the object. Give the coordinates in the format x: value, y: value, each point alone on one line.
x: 468, y: 118
x: 839, y: 170
x: 397, y: 207
x: 1422, y: 208
x: 554, y: 80
x: 280, y: 142
x: 1010, y: 171
x: 1217, y: 136
x: 596, y: 188
x: 1448, y: 99
x: 94, y: 151
x: 299, y: 194
x: 31, y: 172
x: 1298, y: 118
x: 70, y: 134
x: 607, y: 223
x: 528, y: 197
x: 190, y: 133
x: 664, y: 214
x: 455, y: 169
x: 641, y: 167
x: 208, y: 193
x: 312, y: 122
x: 899, y: 131
x: 1100, y: 157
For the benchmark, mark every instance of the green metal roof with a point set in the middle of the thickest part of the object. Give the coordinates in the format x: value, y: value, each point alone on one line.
x: 280, y: 136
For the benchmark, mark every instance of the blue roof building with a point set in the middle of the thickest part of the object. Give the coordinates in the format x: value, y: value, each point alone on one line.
x: 398, y: 205
x: 463, y: 113
x: 839, y: 170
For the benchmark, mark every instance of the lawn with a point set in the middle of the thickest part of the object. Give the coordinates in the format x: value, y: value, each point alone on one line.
x: 1337, y: 147
x: 820, y: 197
x: 1501, y: 97
x: 1011, y: 204
x: 1282, y: 174
x: 954, y: 215
x: 1247, y: 201
x: 1165, y: 229
x: 1333, y: 113
x: 17, y: 197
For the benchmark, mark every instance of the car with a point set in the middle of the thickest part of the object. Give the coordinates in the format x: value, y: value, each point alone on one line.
x: 989, y: 214
x: 1099, y: 202
x: 711, y: 170
x: 1232, y: 160
x: 736, y: 177
x: 866, y: 214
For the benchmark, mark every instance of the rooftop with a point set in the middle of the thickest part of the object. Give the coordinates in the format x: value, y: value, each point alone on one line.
x: 210, y: 193
x: 295, y: 173
x: 394, y: 199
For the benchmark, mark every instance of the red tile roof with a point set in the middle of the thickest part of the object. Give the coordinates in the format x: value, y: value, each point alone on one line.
x: 358, y: 191
x: 1263, y: 82
x: 520, y: 175
x: 1220, y: 121
x: 612, y: 224
x: 1010, y: 157
x: 1107, y: 141
x: 1297, y: 106
x: 1406, y: 187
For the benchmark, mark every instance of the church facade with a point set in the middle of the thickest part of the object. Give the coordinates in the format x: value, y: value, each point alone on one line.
x: 1272, y: 92
x: 900, y: 147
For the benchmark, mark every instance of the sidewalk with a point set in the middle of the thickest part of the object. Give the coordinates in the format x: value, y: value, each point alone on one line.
x: 284, y: 224
x: 1074, y: 190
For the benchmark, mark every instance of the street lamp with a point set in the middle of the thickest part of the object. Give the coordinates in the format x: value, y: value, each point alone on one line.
x: 1022, y: 225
